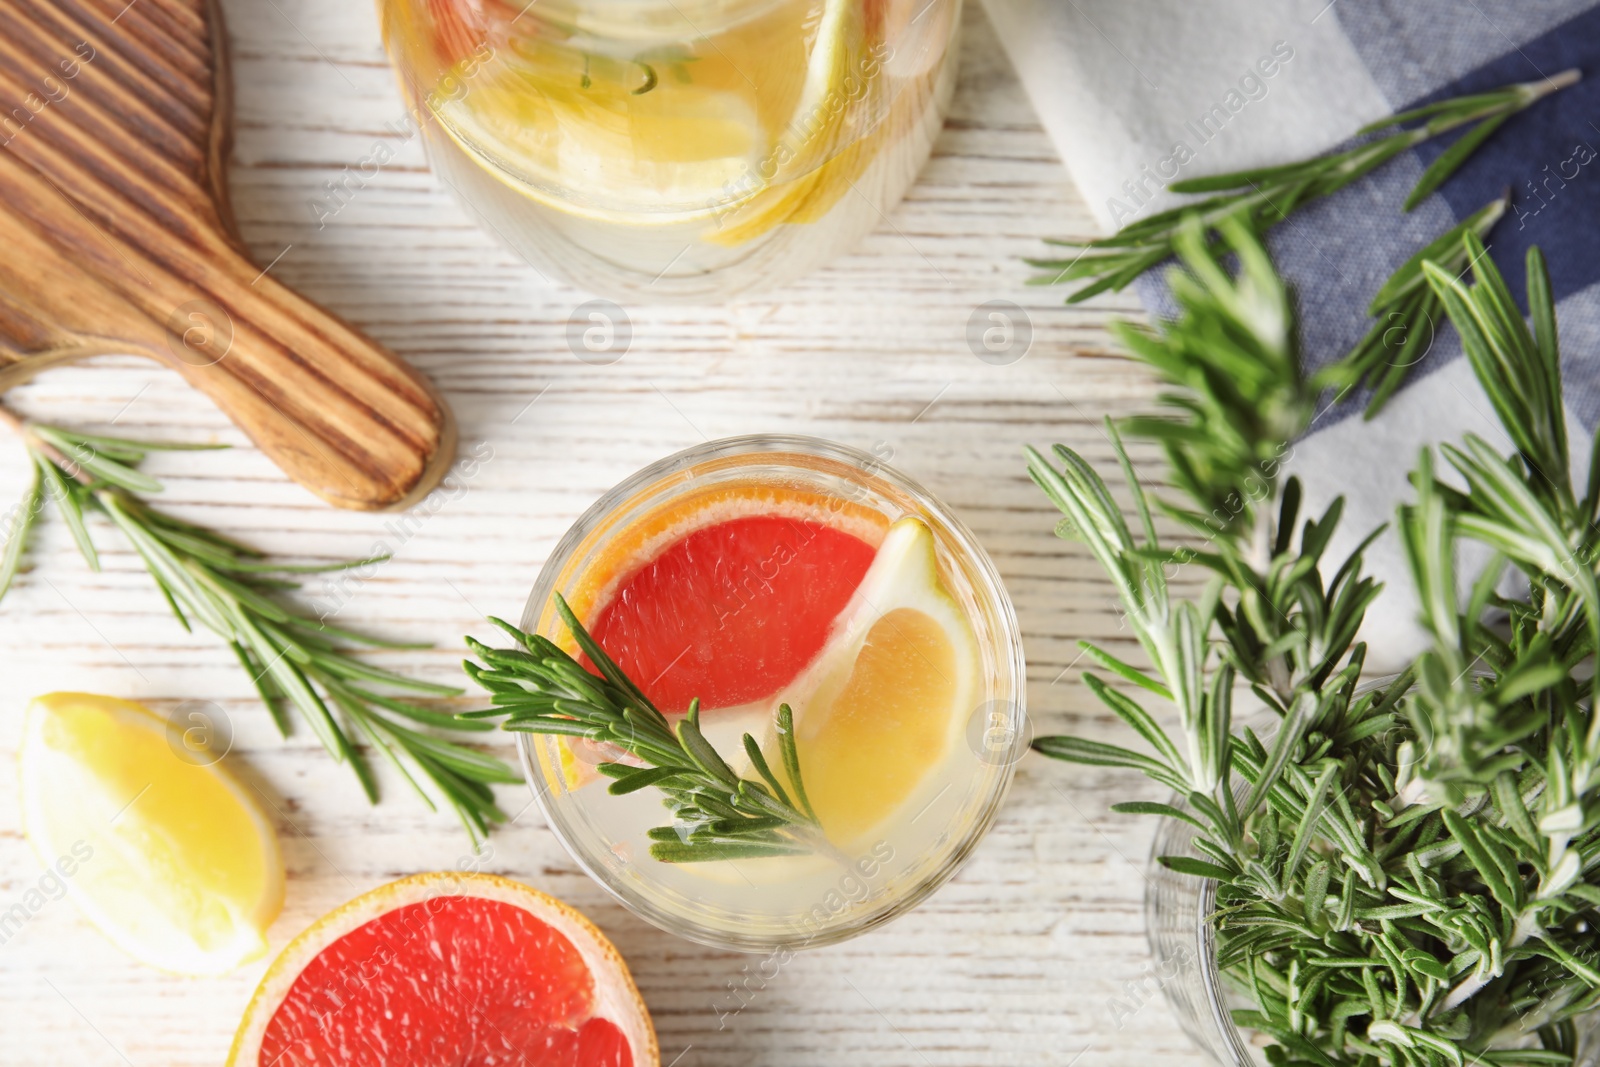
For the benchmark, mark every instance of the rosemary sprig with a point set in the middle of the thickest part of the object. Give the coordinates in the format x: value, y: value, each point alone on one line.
x: 1265, y: 196
x: 717, y: 815
x: 1405, y: 877
x: 292, y: 657
x: 1406, y: 312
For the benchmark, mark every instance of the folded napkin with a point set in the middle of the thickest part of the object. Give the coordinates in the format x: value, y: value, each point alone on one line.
x: 1136, y: 94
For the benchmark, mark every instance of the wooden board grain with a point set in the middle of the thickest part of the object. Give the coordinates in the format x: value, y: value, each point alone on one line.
x: 1025, y: 958
x: 119, y: 237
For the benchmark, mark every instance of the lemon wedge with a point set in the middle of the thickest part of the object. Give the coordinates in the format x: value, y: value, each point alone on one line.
x: 891, y: 695
x: 171, y: 859
x: 813, y: 158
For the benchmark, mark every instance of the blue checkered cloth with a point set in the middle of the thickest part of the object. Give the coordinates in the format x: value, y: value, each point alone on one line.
x: 1339, y: 252
x: 1240, y: 83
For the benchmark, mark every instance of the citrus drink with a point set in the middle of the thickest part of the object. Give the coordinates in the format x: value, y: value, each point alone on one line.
x: 676, y: 150
x: 758, y: 573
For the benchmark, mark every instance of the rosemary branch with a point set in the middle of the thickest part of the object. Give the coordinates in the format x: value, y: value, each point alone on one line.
x: 717, y: 815
x: 1406, y: 876
x: 1265, y: 196
x: 292, y: 657
x: 1405, y: 310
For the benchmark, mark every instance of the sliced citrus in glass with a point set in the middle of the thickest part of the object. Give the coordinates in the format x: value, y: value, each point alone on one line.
x: 826, y: 143
x: 726, y: 594
x: 661, y: 136
x: 175, y: 863
x: 923, y: 641
x: 670, y: 135
x: 603, y: 149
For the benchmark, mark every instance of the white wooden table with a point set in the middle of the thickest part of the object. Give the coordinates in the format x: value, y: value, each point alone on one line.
x: 1022, y: 959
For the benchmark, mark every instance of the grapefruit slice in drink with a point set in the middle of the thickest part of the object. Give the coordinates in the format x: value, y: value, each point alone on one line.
x: 726, y: 594
x: 464, y: 969
x: 734, y: 606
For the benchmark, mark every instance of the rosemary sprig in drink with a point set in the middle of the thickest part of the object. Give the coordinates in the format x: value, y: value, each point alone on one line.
x: 1405, y: 876
x: 292, y: 657
x: 718, y: 815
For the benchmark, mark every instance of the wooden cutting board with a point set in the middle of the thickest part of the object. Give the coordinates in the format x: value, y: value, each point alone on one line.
x: 116, y: 235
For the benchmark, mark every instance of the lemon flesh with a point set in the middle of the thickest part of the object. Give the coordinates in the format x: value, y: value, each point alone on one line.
x: 172, y: 861
x: 892, y: 693
x: 681, y: 134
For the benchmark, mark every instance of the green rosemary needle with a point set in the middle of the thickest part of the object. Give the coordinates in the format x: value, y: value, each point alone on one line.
x: 1406, y: 312
x: 717, y: 815
x: 292, y: 658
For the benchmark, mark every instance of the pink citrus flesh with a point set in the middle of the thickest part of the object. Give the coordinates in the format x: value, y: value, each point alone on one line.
x: 479, y: 973
x: 733, y: 611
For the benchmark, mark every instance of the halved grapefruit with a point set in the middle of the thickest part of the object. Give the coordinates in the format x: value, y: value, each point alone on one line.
x: 470, y: 970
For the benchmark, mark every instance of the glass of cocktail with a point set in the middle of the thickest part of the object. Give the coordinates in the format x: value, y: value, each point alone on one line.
x: 676, y: 149
x: 840, y: 635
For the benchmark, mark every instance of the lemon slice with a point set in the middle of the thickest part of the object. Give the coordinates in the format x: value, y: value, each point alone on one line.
x: 811, y: 155
x: 171, y: 859
x: 667, y: 156
x: 891, y: 695
x: 620, y: 141
x: 608, y: 139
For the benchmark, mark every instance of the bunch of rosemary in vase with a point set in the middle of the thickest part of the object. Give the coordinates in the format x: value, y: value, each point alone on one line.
x: 1404, y: 875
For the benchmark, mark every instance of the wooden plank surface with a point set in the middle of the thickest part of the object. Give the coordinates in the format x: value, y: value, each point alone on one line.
x: 1022, y: 959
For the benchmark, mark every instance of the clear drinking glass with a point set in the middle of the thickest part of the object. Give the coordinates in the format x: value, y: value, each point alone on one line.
x: 676, y: 149
x: 785, y: 901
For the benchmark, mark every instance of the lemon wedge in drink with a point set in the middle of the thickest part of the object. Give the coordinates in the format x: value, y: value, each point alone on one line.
x: 883, y: 708
x: 813, y: 158
x: 167, y: 855
x: 743, y: 130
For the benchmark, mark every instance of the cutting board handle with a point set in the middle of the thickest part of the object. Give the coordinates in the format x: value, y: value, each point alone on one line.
x: 116, y: 236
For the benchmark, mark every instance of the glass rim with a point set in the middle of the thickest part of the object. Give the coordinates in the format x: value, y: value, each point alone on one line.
x: 1211, y: 981
x: 1009, y: 658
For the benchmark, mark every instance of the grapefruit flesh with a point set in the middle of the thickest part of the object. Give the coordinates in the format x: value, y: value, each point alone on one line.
x: 509, y: 989
x: 466, y: 970
x: 733, y: 611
